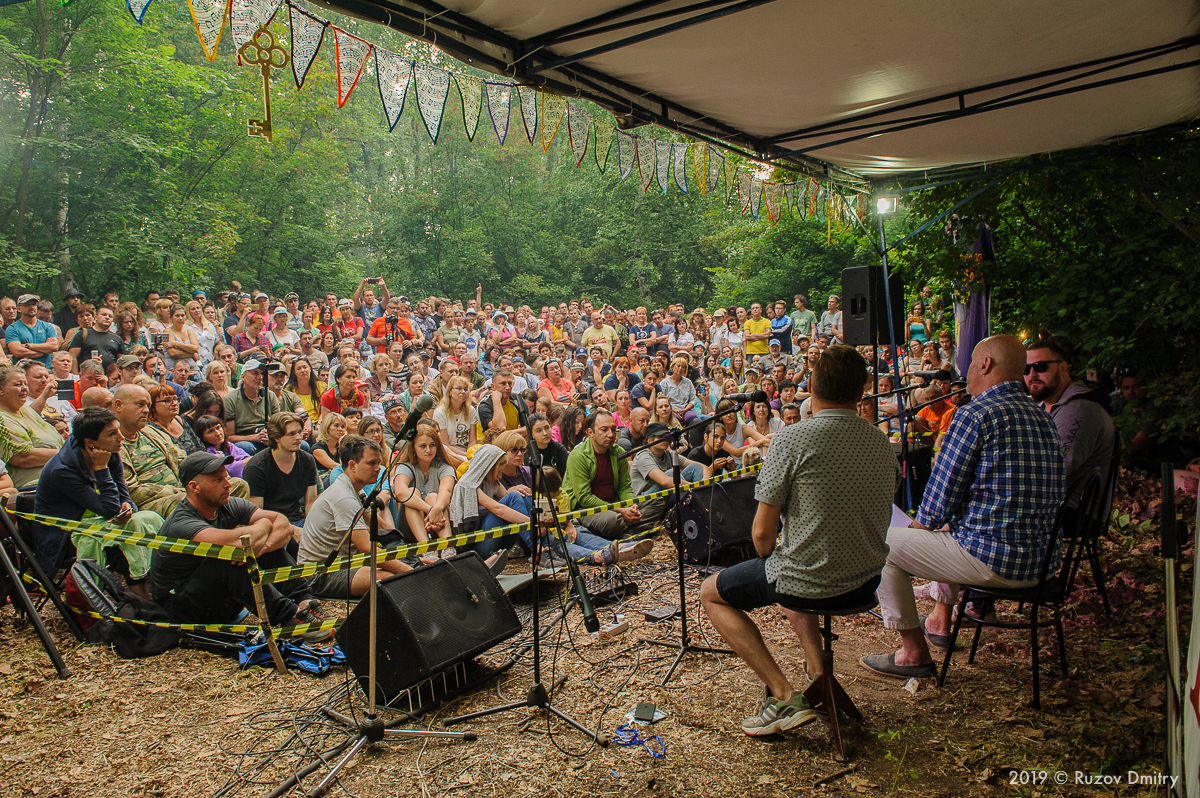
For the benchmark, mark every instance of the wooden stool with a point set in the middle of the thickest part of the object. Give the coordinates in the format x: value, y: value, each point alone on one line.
x: 825, y: 690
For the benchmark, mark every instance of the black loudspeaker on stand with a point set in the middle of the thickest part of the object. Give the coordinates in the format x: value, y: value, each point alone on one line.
x: 865, y: 310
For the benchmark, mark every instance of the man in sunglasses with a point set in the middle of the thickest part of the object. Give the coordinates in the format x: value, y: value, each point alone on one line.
x: 986, y: 515
x: 1084, y: 428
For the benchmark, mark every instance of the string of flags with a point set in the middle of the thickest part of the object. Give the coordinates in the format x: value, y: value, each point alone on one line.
x: 691, y: 166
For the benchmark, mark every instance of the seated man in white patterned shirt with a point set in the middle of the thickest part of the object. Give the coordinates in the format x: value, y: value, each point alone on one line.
x: 832, y: 480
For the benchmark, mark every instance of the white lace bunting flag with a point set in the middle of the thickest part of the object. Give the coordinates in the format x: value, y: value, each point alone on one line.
x: 307, y: 34
x: 604, y: 137
x: 247, y: 16
x: 579, y: 129
x: 393, y: 74
x: 470, y: 91
x: 499, y: 103
x: 432, y: 85
x: 662, y: 164
x: 529, y: 103
x: 351, y: 56
x: 679, y: 155
x: 626, y: 153
x: 209, y: 18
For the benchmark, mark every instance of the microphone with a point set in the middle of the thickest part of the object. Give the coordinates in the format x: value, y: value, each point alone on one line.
x: 420, y: 406
x: 940, y: 374
x: 905, y: 389
x: 590, y: 621
x: 750, y: 396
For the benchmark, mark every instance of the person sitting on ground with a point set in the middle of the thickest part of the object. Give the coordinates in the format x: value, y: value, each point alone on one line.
x: 211, y: 430
x: 27, y: 441
x: 501, y: 410
x: 479, y: 501
x: 457, y: 420
x: 394, y: 416
x: 86, y: 480
x: 421, y: 485
x: 329, y: 436
x: 634, y: 433
x: 331, y: 516
x: 1084, y: 428
x: 247, y: 410
x: 711, y: 453
x: 164, y: 417
x: 194, y: 589
x: 830, y: 481
x: 596, y: 476
x: 283, y: 478
x: 151, y: 461
x: 548, y: 451
x: 653, y: 468
x: 343, y: 394
x: 986, y: 515
x: 581, y: 546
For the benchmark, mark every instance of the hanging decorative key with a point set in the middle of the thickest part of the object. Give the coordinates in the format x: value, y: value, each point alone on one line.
x: 262, y: 51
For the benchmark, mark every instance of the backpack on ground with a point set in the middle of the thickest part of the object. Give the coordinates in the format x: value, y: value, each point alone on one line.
x: 91, y: 587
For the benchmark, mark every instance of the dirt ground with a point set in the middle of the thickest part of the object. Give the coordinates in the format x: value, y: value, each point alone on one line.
x: 177, y: 724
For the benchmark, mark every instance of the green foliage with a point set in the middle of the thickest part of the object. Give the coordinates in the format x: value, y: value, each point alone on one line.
x: 1103, y: 248
x: 137, y: 173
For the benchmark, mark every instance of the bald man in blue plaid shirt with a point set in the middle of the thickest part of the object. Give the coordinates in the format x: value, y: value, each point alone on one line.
x: 987, y: 512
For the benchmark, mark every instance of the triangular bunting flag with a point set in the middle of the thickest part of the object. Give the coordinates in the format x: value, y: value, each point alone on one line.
x: 579, y: 128
x: 700, y: 166
x: 247, y: 16
x: 432, y: 85
x: 307, y: 34
x: 529, y: 103
x: 789, y: 194
x: 499, y: 103
x: 772, y: 198
x: 662, y: 164
x: 716, y: 165
x: 351, y: 56
x: 731, y: 176
x: 209, y: 18
x: 679, y: 155
x: 743, y: 187
x: 137, y: 8
x: 645, y: 158
x: 470, y: 91
x: 604, y: 137
x: 394, y: 74
x: 554, y: 109
x: 819, y: 203
x: 756, y: 192
x: 626, y: 153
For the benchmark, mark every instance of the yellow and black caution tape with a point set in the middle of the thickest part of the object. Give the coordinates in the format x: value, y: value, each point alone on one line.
x: 645, y: 497
x: 293, y: 630
x: 116, y: 534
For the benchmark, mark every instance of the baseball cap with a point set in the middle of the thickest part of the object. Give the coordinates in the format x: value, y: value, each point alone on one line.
x: 345, y: 303
x: 657, y: 429
x: 244, y: 295
x: 291, y: 295
x: 125, y: 361
x: 199, y: 463
x: 581, y: 352
x: 403, y: 299
x: 24, y: 298
x: 754, y: 369
x: 775, y: 342
x: 250, y: 365
x: 275, y: 367
x: 518, y: 359
x: 72, y: 291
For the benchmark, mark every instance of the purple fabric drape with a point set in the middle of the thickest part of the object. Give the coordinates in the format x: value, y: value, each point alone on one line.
x: 971, y: 319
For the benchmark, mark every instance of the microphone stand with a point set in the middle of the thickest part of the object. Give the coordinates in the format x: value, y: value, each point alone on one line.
x: 684, y: 644
x: 372, y: 729
x: 908, y: 410
x: 537, y: 697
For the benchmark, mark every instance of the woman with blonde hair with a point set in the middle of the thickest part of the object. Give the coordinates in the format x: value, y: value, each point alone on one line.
x: 664, y: 414
x: 380, y: 386
x: 457, y: 420
x: 329, y: 435
x: 422, y: 484
x: 217, y: 373
x: 207, y: 333
x: 182, y: 343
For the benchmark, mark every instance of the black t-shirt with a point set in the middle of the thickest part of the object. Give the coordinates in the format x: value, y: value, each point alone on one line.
x: 107, y: 343
x: 554, y: 455
x: 280, y: 492
x: 698, y: 455
x: 170, y: 571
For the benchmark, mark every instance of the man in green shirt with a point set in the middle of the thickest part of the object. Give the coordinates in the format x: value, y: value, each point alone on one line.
x: 596, y: 476
x: 247, y: 410
x: 802, y: 317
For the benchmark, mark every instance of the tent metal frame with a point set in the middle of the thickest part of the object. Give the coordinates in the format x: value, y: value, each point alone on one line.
x: 530, y: 62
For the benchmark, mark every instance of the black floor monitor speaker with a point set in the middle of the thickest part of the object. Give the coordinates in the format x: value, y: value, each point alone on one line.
x: 864, y: 309
x: 716, y: 516
x: 429, y: 619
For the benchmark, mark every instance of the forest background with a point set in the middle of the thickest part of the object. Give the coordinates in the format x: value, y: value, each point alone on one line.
x: 125, y: 164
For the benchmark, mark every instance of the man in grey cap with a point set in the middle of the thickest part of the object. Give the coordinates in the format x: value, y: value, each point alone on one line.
x: 194, y: 589
x: 29, y: 336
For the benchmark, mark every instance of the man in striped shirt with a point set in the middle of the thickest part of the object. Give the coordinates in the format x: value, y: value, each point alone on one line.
x: 987, y: 513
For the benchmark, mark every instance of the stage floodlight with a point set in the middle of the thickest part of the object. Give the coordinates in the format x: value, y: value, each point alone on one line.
x: 886, y: 205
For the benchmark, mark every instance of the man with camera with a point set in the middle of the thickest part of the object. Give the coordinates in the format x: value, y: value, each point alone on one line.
x: 366, y: 306
x: 97, y: 341
x: 392, y: 326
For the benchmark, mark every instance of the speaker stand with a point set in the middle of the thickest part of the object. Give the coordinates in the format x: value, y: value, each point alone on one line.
x: 372, y: 728
x: 684, y: 644
x: 538, y: 697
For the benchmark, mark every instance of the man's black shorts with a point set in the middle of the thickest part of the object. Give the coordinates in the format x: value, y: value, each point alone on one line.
x: 745, y: 587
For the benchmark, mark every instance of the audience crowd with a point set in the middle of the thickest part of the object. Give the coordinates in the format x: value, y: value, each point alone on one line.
x: 208, y: 417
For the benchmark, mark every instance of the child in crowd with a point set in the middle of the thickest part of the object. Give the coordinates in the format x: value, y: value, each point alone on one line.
x: 211, y: 430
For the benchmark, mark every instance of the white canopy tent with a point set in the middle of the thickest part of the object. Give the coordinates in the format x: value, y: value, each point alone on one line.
x: 849, y: 91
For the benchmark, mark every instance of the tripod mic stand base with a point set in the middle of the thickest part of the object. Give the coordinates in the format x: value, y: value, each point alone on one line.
x: 537, y: 698
x: 372, y: 729
x: 685, y: 647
